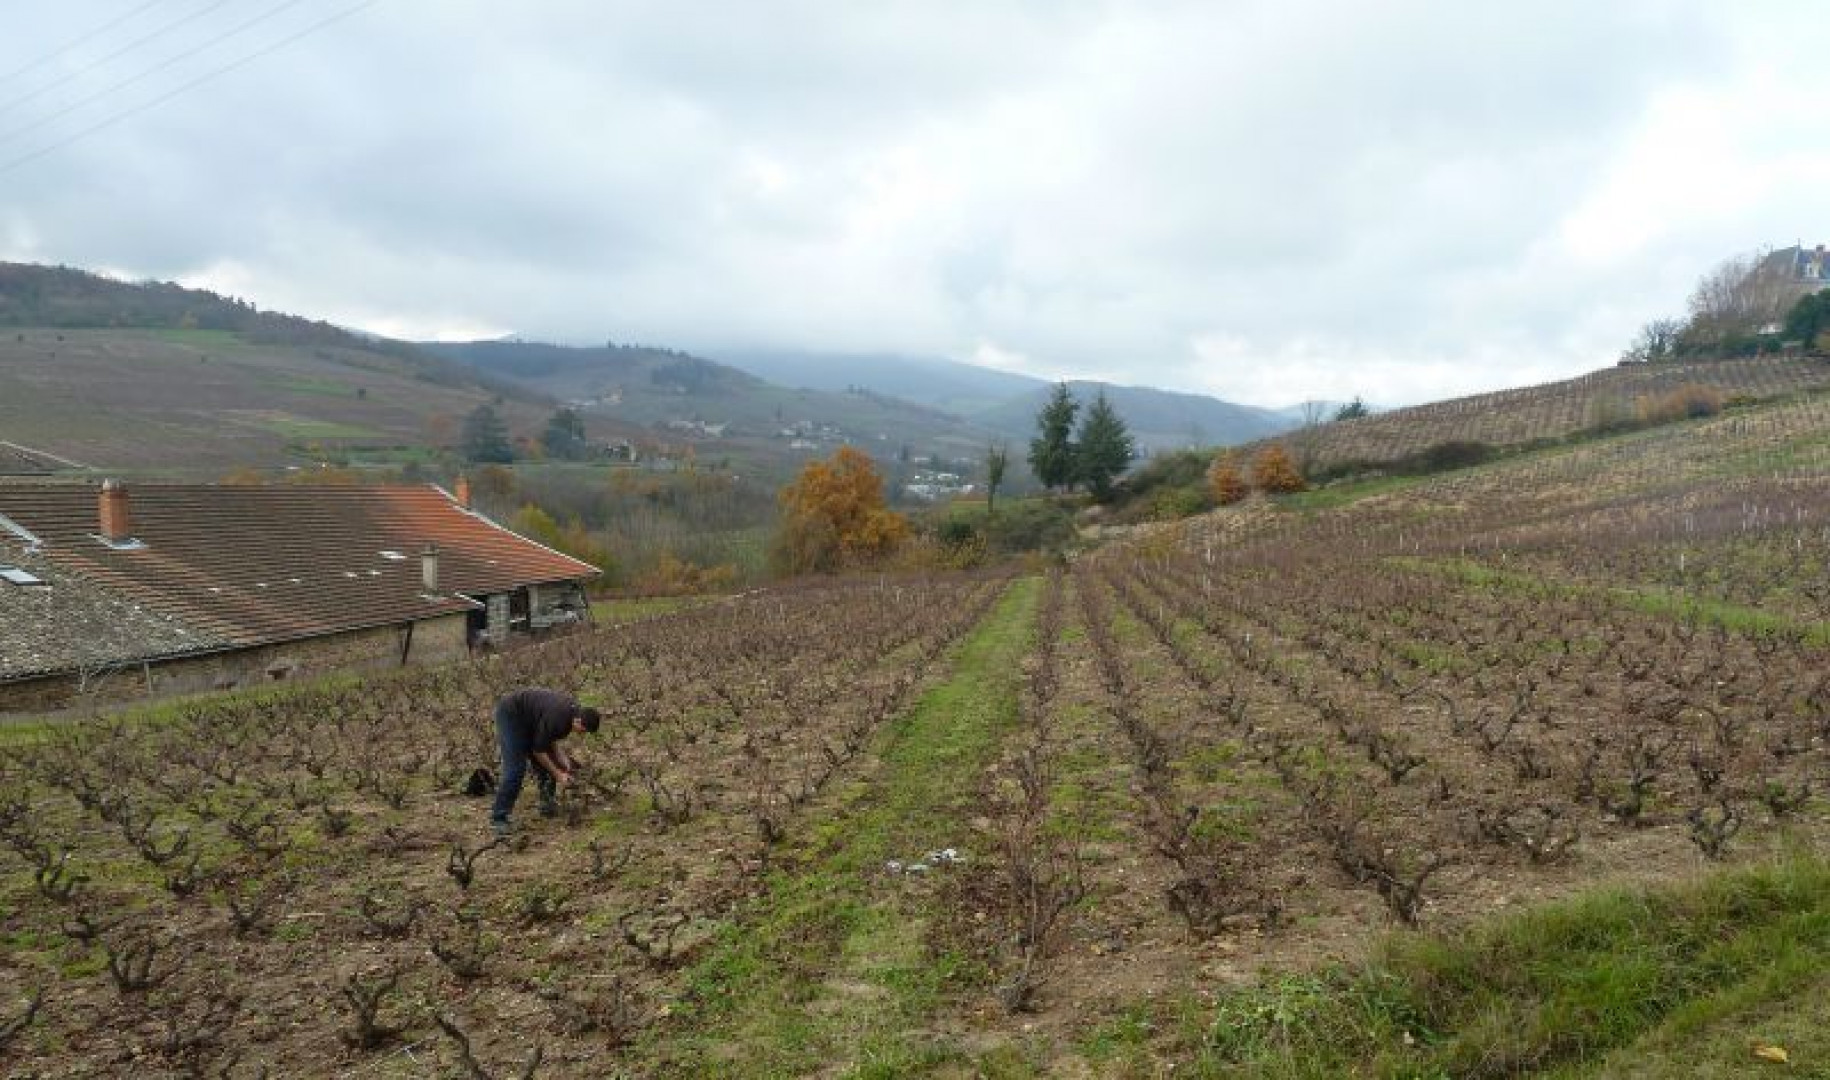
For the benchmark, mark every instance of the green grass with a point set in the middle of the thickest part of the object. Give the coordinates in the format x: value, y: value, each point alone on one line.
x: 314, y: 387
x: 1430, y: 658
x: 1653, y: 600
x: 17, y: 733
x: 1736, y: 618
x: 305, y: 429
x: 1640, y: 982
x: 831, y: 967
x: 1482, y: 575
x: 1350, y: 491
x: 216, y: 340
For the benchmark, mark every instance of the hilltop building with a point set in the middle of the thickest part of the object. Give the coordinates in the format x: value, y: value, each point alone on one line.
x: 110, y: 592
x: 1797, y: 270
x: 1811, y: 266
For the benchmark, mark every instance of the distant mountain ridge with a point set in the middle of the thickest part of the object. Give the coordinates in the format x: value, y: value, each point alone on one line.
x: 582, y: 372
x: 771, y: 426
x: 958, y: 388
x: 1158, y: 420
x: 237, y: 384
x: 63, y: 297
x: 1007, y: 403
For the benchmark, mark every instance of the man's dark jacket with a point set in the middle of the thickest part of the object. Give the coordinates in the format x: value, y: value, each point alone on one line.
x: 542, y: 717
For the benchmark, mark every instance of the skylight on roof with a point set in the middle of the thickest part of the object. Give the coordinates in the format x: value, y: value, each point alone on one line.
x: 395, y: 555
x: 19, y: 530
x: 15, y: 576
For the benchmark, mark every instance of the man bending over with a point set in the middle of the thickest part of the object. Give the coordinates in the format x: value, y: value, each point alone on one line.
x: 529, y: 724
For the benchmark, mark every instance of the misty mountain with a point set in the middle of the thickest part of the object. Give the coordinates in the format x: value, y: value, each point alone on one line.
x: 690, y: 398
x: 1006, y: 403
x: 579, y: 373
x: 958, y: 388
x: 1158, y: 419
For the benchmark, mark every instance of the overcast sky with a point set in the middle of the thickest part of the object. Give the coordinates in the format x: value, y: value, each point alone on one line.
x: 1263, y: 201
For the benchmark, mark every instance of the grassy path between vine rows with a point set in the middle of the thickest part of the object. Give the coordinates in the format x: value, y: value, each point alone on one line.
x: 830, y: 971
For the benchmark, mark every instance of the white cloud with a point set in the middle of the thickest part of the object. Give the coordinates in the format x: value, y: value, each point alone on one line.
x: 1270, y: 202
x: 989, y: 355
x: 1302, y: 369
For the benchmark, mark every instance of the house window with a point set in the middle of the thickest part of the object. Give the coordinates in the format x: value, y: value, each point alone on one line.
x: 15, y: 576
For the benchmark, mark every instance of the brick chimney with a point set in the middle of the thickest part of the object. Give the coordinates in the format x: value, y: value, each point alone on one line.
x: 428, y: 568
x: 462, y: 490
x: 116, y: 521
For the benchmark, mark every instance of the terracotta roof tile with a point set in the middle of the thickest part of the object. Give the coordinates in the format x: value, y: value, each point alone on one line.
x: 67, y: 624
x: 250, y: 565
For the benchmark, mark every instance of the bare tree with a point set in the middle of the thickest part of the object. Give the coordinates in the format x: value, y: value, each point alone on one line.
x: 997, y: 459
x: 1306, y: 440
x: 1742, y: 294
x: 1657, y: 340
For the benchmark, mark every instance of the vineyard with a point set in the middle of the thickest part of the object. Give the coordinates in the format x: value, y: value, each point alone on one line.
x: 1004, y: 824
x: 1551, y: 411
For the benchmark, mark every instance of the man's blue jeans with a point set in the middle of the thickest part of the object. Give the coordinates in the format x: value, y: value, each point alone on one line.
x: 515, y: 749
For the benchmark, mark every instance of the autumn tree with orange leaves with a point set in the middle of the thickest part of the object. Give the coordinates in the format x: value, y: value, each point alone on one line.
x: 1274, y: 473
x: 833, y: 516
x: 1224, y: 480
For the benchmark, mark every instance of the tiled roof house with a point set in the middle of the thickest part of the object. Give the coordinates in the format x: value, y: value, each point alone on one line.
x: 172, y: 587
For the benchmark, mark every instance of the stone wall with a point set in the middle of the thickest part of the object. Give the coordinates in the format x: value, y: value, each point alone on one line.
x: 432, y: 640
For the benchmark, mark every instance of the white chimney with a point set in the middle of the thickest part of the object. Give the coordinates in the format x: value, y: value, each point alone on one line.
x: 428, y: 568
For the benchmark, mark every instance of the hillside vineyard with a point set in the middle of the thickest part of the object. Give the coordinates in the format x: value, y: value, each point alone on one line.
x: 940, y: 808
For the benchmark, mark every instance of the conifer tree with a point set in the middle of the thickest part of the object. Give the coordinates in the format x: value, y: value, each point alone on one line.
x: 486, y: 437
x: 564, y: 437
x: 1104, y: 448
x: 1051, y: 452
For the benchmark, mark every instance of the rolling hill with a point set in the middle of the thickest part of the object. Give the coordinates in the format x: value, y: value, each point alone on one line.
x: 1007, y: 403
x: 719, y: 408
x: 159, y: 379
x: 1508, y: 419
x: 155, y: 378
x: 962, y: 389
x: 1509, y: 771
x: 1159, y: 419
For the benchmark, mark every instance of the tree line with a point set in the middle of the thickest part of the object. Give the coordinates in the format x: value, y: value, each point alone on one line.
x: 1747, y: 304
x: 485, y: 438
x: 1095, y: 453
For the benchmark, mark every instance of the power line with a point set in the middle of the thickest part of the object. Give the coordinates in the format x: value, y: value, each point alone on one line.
x: 67, y: 46
x: 9, y: 136
x: 72, y: 76
x: 9, y: 166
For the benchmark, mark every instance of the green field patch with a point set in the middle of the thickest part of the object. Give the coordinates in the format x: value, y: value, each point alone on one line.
x: 1616, y: 982
x: 21, y: 733
x: 314, y: 387
x: 211, y: 340
x: 1430, y: 658
x: 1736, y: 618
x: 1654, y: 600
x: 372, y: 456
x: 1347, y: 492
x: 301, y: 429
x: 1482, y: 575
